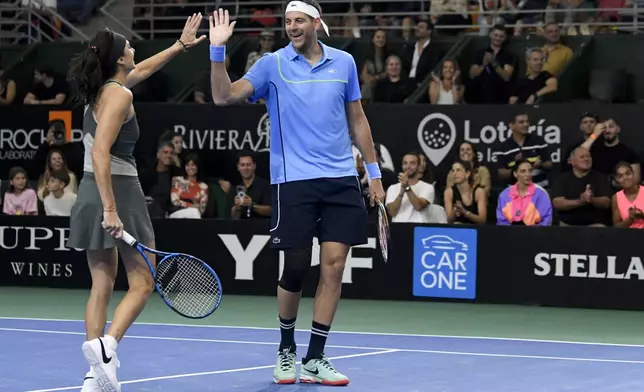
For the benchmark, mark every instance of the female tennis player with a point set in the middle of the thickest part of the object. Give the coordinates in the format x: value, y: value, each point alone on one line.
x: 110, y: 198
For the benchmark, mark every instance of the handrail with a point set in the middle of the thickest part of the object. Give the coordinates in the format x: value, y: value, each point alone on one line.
x: 32, y: 11
x: 633, y: 12
x: 104, y: 11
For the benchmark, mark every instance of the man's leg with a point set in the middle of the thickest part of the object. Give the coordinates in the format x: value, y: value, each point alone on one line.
x: 293, y: 223
x: 343, y: 223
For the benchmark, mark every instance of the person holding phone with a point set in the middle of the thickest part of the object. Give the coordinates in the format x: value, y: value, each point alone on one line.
x: 627, y: 205
x: 252, y: 198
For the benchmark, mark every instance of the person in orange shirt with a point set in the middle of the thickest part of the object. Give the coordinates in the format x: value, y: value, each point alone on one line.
x: 557, y: 55
x: 628, y: 204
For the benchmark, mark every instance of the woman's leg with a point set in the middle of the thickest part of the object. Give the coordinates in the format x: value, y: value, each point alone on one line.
x: 103, y: 266
x: 141, y: 285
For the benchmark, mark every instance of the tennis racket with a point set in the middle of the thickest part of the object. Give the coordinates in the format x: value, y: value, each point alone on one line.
x: 186, y: 284
x: 384, y: 233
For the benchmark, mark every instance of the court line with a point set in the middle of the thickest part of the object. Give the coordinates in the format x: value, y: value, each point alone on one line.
x: 352, y: 332
x: 387, y: 349
x: 228, y: 371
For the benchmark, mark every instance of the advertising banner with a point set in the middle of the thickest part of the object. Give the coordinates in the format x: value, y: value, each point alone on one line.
x: 219, y: 133
x: 484, y: 264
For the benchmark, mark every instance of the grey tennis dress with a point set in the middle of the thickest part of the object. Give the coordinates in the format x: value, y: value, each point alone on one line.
x: 86, y: 216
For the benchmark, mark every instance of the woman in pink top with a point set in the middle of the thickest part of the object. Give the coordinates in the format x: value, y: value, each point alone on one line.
x: 19, y: 200
x: 628, y: 204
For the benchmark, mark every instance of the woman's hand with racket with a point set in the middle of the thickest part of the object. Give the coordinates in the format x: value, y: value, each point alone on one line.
x: 112, y: 224
x: 221, y: 28
x: 190, y: 30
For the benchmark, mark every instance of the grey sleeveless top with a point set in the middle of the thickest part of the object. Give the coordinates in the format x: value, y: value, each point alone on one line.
x: 122, y: 160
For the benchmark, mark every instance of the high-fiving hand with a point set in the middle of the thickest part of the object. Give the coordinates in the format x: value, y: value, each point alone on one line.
x: 221, y: 28
x: 190, y: 30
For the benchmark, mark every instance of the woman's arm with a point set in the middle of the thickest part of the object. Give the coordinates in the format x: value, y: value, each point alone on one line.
x: 203, y: 200
x: 433, y: 92
x: 617, y: 216
x: 11, y: 93
x: 480, y: 198
x: 116, y: 105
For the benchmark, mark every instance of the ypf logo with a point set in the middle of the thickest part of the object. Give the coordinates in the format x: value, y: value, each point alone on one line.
x: 436, y: 136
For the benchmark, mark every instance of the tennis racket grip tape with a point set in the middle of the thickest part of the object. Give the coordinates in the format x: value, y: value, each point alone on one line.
x: 128, y: 239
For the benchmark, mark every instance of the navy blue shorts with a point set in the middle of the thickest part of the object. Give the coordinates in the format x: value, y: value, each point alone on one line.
x: 333, y: 209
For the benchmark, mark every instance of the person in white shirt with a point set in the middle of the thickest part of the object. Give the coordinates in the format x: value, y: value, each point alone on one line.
x: 409, y: 200
x: 58, y: 202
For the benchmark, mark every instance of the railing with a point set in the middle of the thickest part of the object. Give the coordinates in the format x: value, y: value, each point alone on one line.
x: 29, y: 21
x: 151, y: 19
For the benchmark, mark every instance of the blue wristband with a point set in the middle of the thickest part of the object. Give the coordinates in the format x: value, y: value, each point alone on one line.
x: 373, y: 171
x: 217, y: 54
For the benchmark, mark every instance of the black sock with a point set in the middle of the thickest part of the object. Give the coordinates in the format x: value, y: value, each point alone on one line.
x: 319, y: 333
x: 287, y: 329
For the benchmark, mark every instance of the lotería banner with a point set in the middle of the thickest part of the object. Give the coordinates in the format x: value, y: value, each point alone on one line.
x: 221, y: 132
x: 486, y: 264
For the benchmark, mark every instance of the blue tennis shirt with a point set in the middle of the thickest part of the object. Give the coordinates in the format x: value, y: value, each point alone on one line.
x: 309, y: 136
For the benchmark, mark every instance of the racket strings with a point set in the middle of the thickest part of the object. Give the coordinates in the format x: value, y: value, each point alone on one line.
x: 188, y: 286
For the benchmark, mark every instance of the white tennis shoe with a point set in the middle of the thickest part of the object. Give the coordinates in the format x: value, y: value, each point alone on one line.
x: 102, y: 358
x: 89, y: 383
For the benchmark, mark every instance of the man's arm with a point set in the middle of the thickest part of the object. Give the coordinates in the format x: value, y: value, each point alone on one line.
x: 361, y: 131
x: 30, y: 99
x: 563, y: 204
x: 421, y: 201
x: 550, y: 87
x: 58, y: 100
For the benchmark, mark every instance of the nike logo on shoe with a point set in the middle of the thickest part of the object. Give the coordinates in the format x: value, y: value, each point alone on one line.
x: 105, y: 358
x: 314, y: 371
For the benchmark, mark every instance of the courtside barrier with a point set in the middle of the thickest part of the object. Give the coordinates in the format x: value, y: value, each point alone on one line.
x: 553, y: 266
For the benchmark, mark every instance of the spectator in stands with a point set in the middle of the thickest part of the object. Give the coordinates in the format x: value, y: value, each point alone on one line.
x: 465, y: 202
x: 409, y: 200
x: 627, y: 205
x: 407, y: 29
x: 58, y: 202
x: 446, y: 88
x: 536, y: 83
x: 56, y: 141
x: 479, y: 175
x: 48, y: 88
x: 19, y: 199
x: 587, y: 124
x: 189, y: 193
x: 266, y: 45
x: 425, y: 173
x: 493, y: 16
x: 529, y: 17
x: 375, y: 65
x: 156, y: 180
x: 419, y: 59
x: 449, y: 13
x: 492, y: 69
x: 202, y: 93
x: 177, y: 142
x: 523, y: 145
x: 582, y: 196
x: 557, y: 55
x: 573, y: 14
x: 524, y: 203
x: 607, y: 151
x: 395, y: 87
x: 7, y: 88
x: 55, y: 162
x: 78, y: 11
x: 251, y: 199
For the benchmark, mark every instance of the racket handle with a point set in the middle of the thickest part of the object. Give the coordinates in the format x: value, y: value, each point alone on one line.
x: 128, y: 238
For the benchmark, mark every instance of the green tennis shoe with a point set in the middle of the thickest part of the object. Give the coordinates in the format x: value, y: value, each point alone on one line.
x: 285, y: 371
x: 322, y: 371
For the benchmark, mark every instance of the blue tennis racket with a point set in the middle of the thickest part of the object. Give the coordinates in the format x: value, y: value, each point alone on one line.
x: 186, y: 284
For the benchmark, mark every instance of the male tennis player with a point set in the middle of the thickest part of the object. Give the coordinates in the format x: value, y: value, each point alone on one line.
x: 313, y: 98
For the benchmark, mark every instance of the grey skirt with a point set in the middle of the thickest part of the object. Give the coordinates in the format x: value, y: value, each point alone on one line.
x: 86, y: 217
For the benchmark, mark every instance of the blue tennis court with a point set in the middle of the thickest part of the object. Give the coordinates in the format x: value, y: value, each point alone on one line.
x: 44, y: 355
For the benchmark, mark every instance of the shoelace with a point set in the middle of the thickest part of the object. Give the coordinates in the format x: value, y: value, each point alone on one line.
x: 285, y: 360
x: 324, y: 362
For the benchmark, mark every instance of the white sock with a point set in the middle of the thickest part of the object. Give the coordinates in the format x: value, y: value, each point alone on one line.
x: 111, y: 342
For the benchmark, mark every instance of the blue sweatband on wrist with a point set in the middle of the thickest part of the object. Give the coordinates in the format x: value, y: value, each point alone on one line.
x: 217, y: 54
x: 373, y: 171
